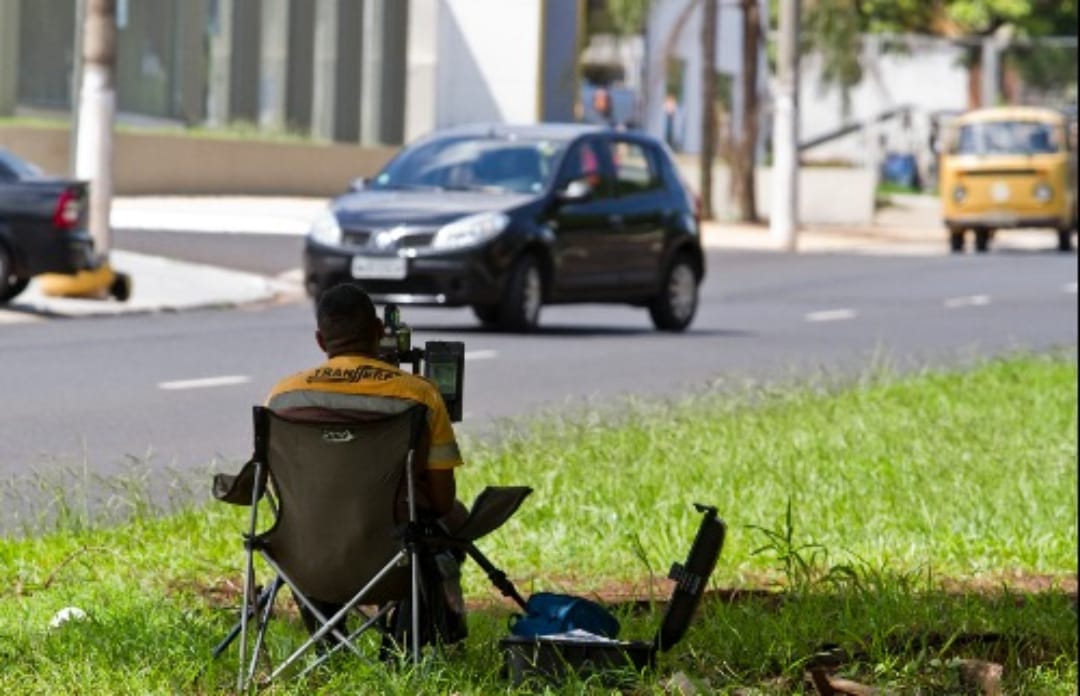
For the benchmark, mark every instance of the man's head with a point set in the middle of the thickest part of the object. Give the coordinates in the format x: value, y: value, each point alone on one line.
x: 601, y: 102
x: 347, y: 322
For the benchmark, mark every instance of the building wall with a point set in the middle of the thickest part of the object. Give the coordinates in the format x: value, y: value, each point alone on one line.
x: 488, y: 61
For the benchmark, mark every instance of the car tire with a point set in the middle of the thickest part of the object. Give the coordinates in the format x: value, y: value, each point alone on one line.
x: 982, y: 240
x: 674, y: 306
x: 523, y: 296
x: 487, y: 314
x: 956, y: 241
x: 1065, y: 241
x: 10, y: 285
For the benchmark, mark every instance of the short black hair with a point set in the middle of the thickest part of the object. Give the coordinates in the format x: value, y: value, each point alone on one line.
x: 346, y: 319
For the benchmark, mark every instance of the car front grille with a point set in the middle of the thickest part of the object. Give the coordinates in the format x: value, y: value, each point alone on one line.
x: 355, y: 237
x: 403, y: 238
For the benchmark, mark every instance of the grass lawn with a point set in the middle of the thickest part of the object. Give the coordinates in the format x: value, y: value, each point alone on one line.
x: 913, y: 522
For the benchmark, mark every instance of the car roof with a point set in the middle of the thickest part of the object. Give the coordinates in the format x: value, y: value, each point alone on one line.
x: 538, y: 131
x: 1012, y: 113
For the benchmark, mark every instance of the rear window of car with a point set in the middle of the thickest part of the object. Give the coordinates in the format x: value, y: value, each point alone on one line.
x: 16, y: 168
x: 635, y: 168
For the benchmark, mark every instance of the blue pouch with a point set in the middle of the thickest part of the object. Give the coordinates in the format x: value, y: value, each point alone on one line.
x: 548, y: 613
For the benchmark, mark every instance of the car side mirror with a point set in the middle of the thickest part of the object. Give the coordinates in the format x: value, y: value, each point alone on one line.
x: 358, y: 184
x: 576, y: 191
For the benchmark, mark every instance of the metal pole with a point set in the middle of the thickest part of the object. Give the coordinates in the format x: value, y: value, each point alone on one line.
x: 783, y: 216
x: 97, y: 110
x: 76, y: 82
x: 991, y: 66
x: 708, y: 106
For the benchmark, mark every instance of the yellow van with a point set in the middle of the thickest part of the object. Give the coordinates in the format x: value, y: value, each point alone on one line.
x: 1009, y: 167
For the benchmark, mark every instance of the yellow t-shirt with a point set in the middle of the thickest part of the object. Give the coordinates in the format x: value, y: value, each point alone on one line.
x: 360, y: 383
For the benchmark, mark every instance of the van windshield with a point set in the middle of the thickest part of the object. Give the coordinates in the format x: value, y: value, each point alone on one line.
x: 1006, y: 138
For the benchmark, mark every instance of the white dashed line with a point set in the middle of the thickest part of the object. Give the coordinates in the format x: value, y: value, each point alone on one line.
x: 204, y: 383
x: 967, y: 301
x: 1070, y: 288
x: 17, y: 318
x: 831, y: 315
x: 481, y: 354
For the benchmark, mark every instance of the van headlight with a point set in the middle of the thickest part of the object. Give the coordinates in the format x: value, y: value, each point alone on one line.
x: 325, y: 229
x: 470, y: 231
x: 959, y: 193
x: 1043, y: 192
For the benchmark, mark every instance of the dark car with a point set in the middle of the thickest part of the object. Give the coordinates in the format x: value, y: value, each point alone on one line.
x: 508, y: 218
x: 42, y: 225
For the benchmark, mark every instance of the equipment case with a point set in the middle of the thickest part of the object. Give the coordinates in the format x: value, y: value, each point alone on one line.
x: 554, y: 657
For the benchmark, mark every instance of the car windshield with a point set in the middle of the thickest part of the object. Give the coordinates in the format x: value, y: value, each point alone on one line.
x: 1006, y: 138
x: 474, y: 163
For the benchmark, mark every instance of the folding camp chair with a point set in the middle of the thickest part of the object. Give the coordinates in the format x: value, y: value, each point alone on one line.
x: 334, y: 538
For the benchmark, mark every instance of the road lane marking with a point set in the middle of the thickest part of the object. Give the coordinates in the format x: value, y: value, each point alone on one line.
x: 17, y: 318
x: 481, y: 354
x: 204, y: 382
x: 831, y: 315
x: 1070, y: 288
x: 967, y: 301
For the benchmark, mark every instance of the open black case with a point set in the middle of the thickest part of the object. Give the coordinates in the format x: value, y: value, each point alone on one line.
x: 554, y: 657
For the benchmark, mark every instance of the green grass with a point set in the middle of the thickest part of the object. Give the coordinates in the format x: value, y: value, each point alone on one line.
x: 864, y: 506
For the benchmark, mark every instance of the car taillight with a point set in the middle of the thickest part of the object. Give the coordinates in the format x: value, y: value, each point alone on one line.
x: 68, y: 210
x: 697, y: 208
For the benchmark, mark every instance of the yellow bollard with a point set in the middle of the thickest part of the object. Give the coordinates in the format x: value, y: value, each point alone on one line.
x: 98, y: 284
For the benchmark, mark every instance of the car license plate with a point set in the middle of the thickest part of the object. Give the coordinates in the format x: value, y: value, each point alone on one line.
x: 379, y: 267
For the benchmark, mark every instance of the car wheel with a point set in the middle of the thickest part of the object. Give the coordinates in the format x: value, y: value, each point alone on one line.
x: 487, y: 314
x: 1065, y: 240
x: 956, y: 241
x: 523, y: 296
x: 982, y: 240
x: 10, y: 285
x: 674, y: 307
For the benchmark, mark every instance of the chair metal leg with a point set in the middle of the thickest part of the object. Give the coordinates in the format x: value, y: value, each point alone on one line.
x: 249, y: 575
x: 351, y: 637
x: 263, y: 623
x: 328, y: 623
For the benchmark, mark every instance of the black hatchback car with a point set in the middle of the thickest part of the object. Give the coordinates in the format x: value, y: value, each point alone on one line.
x: 506, y: 219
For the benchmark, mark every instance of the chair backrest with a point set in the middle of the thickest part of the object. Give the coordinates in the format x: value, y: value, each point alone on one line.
x: 337, y: 485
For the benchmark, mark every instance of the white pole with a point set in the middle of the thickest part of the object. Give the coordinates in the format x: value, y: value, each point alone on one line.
x: 783, y: 214
x: 97, y: 109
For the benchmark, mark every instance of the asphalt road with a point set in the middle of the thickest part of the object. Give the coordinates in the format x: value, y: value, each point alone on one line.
x: 176, y: 389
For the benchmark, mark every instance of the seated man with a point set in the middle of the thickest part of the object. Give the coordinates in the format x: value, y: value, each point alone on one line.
x: 354, y: 379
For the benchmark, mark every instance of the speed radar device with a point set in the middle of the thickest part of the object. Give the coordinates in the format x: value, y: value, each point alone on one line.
x: 442, y: 362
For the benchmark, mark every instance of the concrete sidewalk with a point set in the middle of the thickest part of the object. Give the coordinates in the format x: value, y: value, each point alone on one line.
x: 911, y: 226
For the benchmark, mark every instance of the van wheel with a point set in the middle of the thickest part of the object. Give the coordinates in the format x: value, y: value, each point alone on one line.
x: 982, y: 240
x: 674, y: 306
x: 1065, y: 240
x: 956, y: 241
x: 523, y: 296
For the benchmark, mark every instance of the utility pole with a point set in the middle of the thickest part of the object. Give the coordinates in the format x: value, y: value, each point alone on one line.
x: 783, y: 216
x: 708, y: 107
x: 96, y: 111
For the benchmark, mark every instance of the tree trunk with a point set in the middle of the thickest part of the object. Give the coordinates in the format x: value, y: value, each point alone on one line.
x: 708, y: 107
x: 744, y: 159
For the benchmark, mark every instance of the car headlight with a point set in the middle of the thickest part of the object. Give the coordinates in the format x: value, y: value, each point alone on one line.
x: 959, y: 193
x: 325, y: 229
x: 1043, y: 192
x: 470, y: 231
